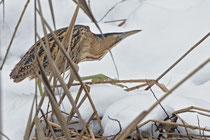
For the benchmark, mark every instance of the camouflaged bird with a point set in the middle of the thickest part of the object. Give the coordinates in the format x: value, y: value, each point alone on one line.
x: 85, y: 46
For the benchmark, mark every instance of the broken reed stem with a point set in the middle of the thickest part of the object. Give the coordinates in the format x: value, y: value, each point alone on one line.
x: 14, y: 33
x: 122, y: 23
x: 118, y: 20
x: 140, y: 86
x: 182, y: 57
x: 148, y: 82
x: 142, y: 115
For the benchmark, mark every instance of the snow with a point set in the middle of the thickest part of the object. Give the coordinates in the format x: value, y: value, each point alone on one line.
x: 170, y: 28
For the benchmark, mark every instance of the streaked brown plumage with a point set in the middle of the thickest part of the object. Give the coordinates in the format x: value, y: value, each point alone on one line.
x: 85, y: 46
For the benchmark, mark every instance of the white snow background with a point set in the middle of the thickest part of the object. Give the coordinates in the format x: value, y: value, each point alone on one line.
x: 170, y: 28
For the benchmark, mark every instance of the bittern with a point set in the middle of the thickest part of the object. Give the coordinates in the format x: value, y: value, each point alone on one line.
x: 85, y: 46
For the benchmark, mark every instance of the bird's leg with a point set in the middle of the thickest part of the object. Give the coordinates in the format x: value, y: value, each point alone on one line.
x: 97, y: 78
x: 101, y: 78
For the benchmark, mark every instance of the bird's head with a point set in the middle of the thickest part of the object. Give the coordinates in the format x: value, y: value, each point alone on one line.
x: 100, y: 46
x: 112, y: 39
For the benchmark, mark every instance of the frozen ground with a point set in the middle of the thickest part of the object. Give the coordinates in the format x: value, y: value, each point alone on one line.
x: 170, y: 28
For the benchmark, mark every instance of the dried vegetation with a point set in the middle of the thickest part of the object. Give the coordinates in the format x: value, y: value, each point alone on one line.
x: 53, y: 125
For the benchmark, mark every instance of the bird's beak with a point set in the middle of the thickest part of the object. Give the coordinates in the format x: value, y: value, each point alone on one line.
x: 123, y: 35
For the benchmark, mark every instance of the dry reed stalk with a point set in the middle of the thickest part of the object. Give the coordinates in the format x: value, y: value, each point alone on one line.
x: 35, y: 39
x: 3, y: 135
x: 142, y: 115
x: 0, y: 89
x: 14, y: 33
x: 28, y: 126
x: 182, y: 57
x: 52, y: 13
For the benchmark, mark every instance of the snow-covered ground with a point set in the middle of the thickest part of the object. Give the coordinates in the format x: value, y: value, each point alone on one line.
x: 170, y: 28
